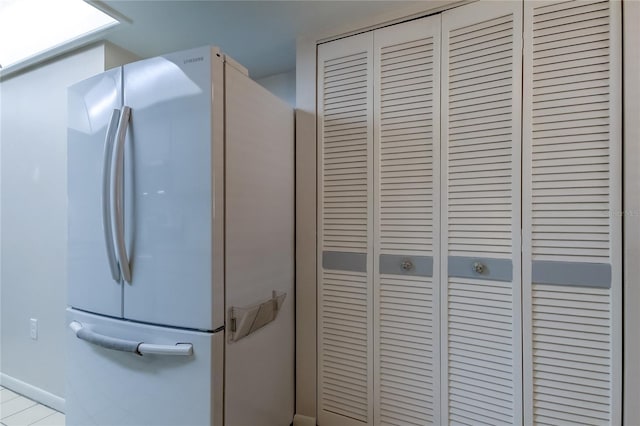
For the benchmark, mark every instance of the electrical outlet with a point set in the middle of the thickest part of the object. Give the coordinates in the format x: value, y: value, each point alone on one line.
x: 33, y: 328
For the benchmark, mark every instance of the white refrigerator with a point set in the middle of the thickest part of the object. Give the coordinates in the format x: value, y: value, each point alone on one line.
x: 181, y: 246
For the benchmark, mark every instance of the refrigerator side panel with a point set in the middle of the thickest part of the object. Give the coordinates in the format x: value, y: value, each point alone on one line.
x: 109, y: 387
x: 218, y: 184
x: 169, y: 190
x: 259, y: 368
x: 94, y: 283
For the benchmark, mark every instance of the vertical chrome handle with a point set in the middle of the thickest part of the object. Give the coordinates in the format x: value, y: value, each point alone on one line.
x: 117, y: 194
x: 106, y: 215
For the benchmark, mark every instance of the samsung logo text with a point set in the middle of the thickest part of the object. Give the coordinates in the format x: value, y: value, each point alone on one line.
x: 192, y: 60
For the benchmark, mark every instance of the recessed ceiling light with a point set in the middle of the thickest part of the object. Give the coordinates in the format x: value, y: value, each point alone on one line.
x: 32, y: 27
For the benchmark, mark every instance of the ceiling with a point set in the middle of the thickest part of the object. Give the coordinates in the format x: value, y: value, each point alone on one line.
x: 259, y: 34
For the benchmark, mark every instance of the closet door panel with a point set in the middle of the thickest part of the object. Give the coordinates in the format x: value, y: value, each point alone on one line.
x: 345, y: 210
x: 572, y: 204
x: 406, y: 181
x: 480, y: 207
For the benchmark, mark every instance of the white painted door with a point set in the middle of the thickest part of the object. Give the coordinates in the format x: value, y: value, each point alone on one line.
x: 406, y: 189
x: 169, y: 202
x: 572, y: 272
x: 345, y: 241
x: 480, y: 206
x: 93, y: 113
x: 431, y: 307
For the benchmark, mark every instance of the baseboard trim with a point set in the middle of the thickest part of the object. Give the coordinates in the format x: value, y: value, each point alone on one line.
x: 32, y: 392
x: 300, y: 420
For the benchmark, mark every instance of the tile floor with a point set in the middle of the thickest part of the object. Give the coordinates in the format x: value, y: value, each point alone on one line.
x: 16, y: 410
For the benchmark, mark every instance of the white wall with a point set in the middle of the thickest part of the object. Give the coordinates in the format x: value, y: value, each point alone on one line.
x: 282, y: 85
x: 33, y: 220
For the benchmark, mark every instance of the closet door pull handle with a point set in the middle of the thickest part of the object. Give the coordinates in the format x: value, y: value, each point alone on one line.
x: 478, y: 267
x: 406, y: 265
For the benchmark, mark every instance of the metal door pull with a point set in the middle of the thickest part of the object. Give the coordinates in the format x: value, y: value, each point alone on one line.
x: 478, y: 267
x: 406, y: 265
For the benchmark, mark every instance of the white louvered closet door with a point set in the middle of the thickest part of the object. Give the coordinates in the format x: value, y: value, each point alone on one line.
x: 345, y: 229
x: 481, y: 141
x: 571, y: 208
x: 406, y: 176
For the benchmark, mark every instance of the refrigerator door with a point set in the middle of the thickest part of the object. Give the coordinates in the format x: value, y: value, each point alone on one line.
x: 169, y: 191
x: 93, y: 112
x: 111, y: 387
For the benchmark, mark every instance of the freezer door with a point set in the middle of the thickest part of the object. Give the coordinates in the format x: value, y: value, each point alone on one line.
x: 169, y: 191
x: 112, y: 387
x: 93, y: 111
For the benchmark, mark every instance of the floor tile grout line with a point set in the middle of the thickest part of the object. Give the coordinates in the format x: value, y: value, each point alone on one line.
x: 35, y: 404
x: 31, y: 407
x: 16, y: 395
x: 46, y: 417
x: 10, y: 399
x: 17, y: 412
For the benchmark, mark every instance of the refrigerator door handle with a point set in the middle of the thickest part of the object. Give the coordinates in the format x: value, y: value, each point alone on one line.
x: 117, y: 193
x: 107, y: 223
x: 122, y: 345
x: 184, y: 349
